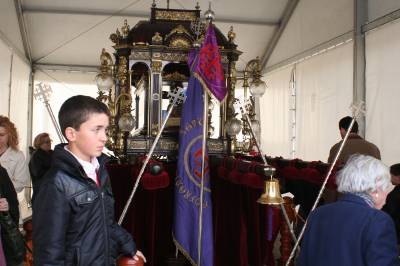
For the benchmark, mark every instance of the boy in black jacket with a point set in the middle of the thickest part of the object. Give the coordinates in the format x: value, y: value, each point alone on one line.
x: 73, y: 212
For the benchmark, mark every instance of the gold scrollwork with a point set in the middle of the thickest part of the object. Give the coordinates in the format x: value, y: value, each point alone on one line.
x: 233, y: 75
x: 174, y: 57
x: 231, y: 35
x: 215, y: 145
x: 179, y: 37
x: 168, y: 145
x: 157, y: 39
x: 135, y: 55
x: 125, y: 29
x: 156, y: 66
x: 177, y: 30
x: 180, y: 42
x: 115, y: 37
x: 119, y: 146
x: 137, y: 144
x: 175, y: 76
x: 140, y: 44
x: 175, y: 15
x: 122, y: 70
x: 156, y: 56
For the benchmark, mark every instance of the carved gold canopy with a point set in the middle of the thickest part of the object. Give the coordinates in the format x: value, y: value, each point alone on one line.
x: 150, y: 59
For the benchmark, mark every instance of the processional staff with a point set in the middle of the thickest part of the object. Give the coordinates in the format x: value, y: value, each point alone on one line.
x: 42, y: 93
x: 176, y: 97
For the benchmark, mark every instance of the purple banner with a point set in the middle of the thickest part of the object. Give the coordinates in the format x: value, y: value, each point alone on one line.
x: 188, y: 183
x: 209, y: 69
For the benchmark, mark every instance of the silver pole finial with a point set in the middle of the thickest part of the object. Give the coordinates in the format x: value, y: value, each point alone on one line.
x: 209, y: 14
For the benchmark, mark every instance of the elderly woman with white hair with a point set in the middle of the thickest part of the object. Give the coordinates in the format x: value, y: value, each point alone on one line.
x: 353, y: 231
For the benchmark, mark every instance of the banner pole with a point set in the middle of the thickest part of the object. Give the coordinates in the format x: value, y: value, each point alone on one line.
x: 203, y: 165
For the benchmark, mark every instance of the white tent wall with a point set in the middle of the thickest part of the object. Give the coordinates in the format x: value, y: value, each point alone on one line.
x: 379, y: 8
x: 9, y: 27
x: 19, y: 114
x: 275, y: 114
x: 324, y: 85
x: 383, y: 93
x: 14, y: 82
x: 5, y: 75
x: 313, y: 22
x: 325, y: 81
x: 14, y: 90
x: 15, y: 73
x: 64, y: 85
x: 19, y: 101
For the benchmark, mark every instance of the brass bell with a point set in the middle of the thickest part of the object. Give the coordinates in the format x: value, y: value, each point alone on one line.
x: 272, y: 193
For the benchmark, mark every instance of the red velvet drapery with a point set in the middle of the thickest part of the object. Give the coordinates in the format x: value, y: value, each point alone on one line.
x: 244, y: 231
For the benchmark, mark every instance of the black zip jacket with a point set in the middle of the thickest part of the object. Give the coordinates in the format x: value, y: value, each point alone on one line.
x: 38, y: 165
x: 7, y: 191
x: 73, y: 219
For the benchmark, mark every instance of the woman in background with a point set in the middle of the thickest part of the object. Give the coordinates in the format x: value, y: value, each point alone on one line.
x: 353, y: 230
x: 41, y: 158
x: 11, y: 158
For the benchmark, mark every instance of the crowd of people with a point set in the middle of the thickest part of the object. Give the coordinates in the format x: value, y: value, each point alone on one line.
x: 71, y: 191
x: 362, y: 225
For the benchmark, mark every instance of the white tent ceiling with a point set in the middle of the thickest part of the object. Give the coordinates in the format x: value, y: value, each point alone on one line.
x: 73, y: 32
x: 59, y: 34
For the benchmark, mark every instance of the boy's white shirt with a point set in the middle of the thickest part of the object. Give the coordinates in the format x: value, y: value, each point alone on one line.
x: 89, y: 168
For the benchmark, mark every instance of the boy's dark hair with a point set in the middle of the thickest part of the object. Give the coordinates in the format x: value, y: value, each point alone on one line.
x: 77, y: 109
x: 345, y: 123
x: 395, y: 169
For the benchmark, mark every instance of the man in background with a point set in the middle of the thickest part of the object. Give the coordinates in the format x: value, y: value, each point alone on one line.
x: 354, y: 144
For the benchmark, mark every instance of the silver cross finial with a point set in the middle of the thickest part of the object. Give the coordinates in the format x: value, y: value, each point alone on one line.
x: 42, y: 92
x: 357, y: 108
x: 248, y: 105
x: 197, y: 27
x: 177, y: 96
